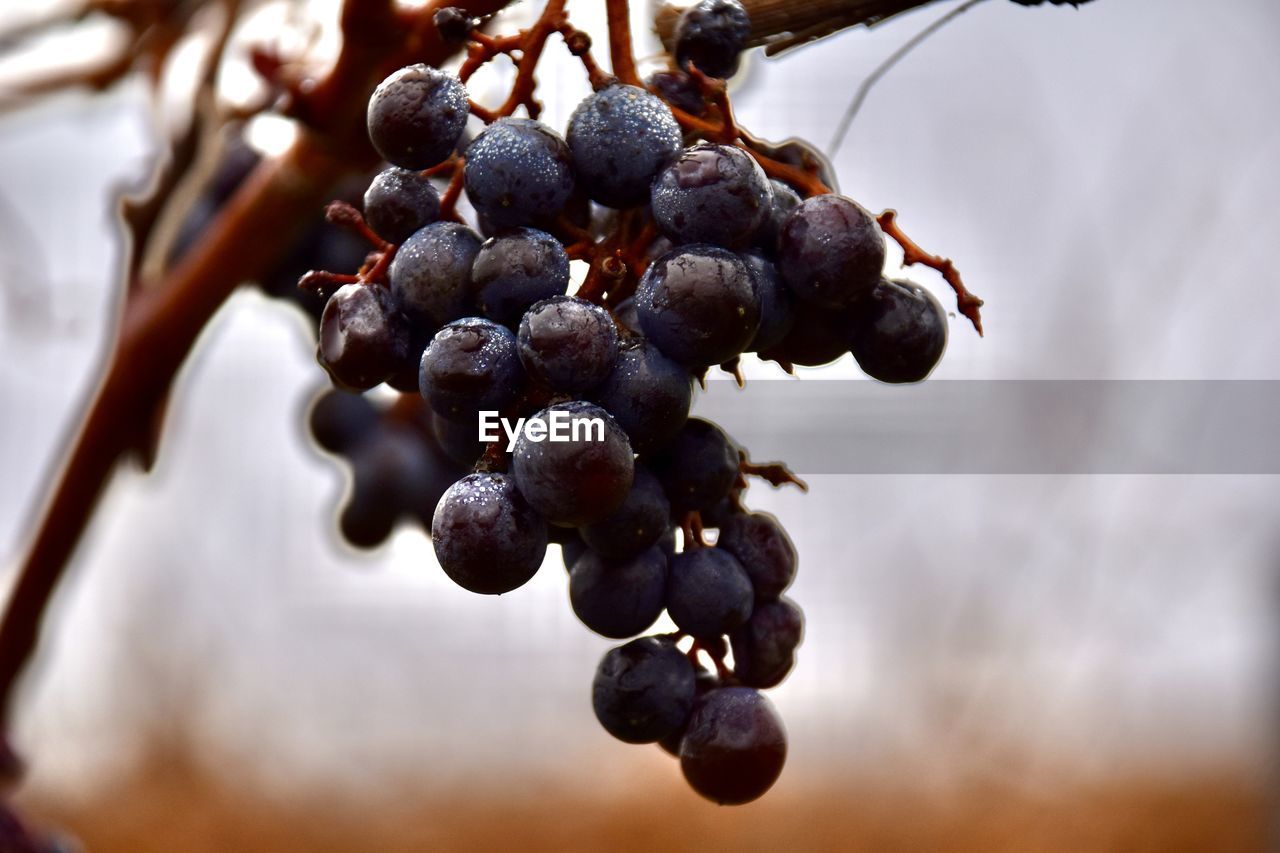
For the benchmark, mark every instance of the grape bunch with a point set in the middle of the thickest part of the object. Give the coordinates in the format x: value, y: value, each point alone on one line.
x: 537, y: 413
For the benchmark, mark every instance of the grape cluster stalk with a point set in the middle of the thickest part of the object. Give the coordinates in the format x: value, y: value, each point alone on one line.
x: 702, y: 244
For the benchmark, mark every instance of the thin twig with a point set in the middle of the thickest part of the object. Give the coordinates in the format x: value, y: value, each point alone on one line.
x: 967, y: 303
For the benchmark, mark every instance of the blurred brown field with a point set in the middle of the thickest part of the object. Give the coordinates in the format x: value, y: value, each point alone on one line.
x: 170, y: 806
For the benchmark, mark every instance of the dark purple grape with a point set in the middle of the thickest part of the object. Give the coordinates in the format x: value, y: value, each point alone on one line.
x: 514, y: 270
x: 708, y: 592
x: 458, y: 439
x: 618, y: 598
x: 399, y: 202
x: 416, y: 116
x: 453, y: 24
x: 647, y: 393
x: 704, y: 681
x: 764, y: 549
x: 431, y: 273
x: 712, y: 35
x: 712, y: 194
x: 764, y: 649
x: 636, y: 525
x: 339, y: 420
x: 568, y: 344
x: 643, y: 690
x: 620, y: 137
x: 579, y: 480
x: 486, y: 536
x: 469, y: 367
x: 734, y: 746
x: 776, y: 314
x: 518, y: 171
x: 817, y: 336
x: 785, y: 200
x: 698, y: 466
x: 388, y: 469
x: 831, y: 251
x: 679, y: 90
x: 363, y: 336
x: 899, y: 332
x: 699, y: 305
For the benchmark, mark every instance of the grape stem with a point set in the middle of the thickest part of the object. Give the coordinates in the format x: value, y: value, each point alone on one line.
x: 776, y: 474
x: 692, y: 527
x: 967, y: 303
x: 621, y: 56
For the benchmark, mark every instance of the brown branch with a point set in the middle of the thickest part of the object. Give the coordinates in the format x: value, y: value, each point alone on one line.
x: 159, y: 326
x: 967, y: 303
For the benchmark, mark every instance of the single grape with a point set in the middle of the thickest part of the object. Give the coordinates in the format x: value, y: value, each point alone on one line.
x: 514, y: 270
x: 648, y: 394
x: 453, y: 24
x: 620, y: 137
x: 363, y: 336
x: 568, y: 344
x: 785, y: 200
x: 579, y: 480
x: 486, y: 536
x: 641, y: 520
x: 764, y: 549
x: 416, y: 116
x: 764, y: 649
x: 365, y: 522
x: 618, y: 598
x: 899, y: 332
x: 339, y: 420
x: 679, y: 90
x: 712, y: 194
x: 471, y: 366
x: 776, y: 314
x: 386, y: 470
x: 831, y: 251
x: 431, y: 273
x: 734, y: 746
x: 399, y: 202
x: 698, y: 466
x: 699, y: 305
x: 712, y: 35
x: 708, y: 592
x: 518, y: 171
x: 643, y: 690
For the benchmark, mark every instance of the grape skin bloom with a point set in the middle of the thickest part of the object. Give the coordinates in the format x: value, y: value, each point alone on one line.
x: 619, y: 138
x: 518, y: 172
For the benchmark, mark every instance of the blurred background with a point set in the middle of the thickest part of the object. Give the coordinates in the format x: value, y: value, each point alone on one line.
x: 1039, y: 662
